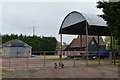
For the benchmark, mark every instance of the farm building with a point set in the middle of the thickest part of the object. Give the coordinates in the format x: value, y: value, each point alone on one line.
x: 16, y: 48
x: 79, y: 44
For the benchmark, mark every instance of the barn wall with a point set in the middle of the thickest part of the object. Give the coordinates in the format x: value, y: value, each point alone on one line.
x: 8, y: 52
x: 93, y: 47
x: 27, y: 52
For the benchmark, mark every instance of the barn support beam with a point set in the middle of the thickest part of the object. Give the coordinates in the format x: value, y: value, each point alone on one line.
x: 99, y: 46
x: 87, y: 42
x: 111, y: 47
x: 80, y: 41
x: 60, y: 55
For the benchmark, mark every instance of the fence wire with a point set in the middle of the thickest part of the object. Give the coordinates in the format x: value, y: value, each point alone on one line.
x: 42, y: 59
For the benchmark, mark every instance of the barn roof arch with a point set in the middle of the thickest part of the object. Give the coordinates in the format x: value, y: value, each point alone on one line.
x: 75, y: 23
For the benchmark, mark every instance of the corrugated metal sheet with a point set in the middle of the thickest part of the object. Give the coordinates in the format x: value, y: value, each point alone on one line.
x: 95, y: 20
x: 75, y: 23
x: 76, y: 17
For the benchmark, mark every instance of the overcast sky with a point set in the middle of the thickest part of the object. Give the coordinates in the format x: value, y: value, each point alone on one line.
x: 19, y: 17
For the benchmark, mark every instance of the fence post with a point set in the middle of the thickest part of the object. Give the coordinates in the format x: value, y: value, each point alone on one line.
x: 9, y: 60
x: 99, y: 58
x: 27, y: 60
x: 110, y: 57
x: 87, y: 57
x: 44, y: 59
x: 114, y: 58
x: 74, y: 59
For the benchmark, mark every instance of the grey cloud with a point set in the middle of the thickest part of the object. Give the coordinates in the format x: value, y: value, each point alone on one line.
x: 18, y: 17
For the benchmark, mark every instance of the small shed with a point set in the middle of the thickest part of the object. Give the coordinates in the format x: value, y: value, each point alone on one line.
x: 16, y: 48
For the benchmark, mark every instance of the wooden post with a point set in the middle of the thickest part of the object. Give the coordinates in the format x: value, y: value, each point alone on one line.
x: 27, y: 59
x: 44, y: 59
x: 74, y: 58
x: 110, y: 57
x: 80, y: 41
x: 60, y: 55
x: 99, y: 48
x: 9, y: 60
x: 86, y: 42
x: 111, y: 40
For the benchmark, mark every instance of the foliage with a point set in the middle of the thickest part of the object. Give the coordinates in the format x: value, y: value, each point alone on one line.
x: 64, y: 43
x: 111, y: 14
x: 58, y: 43
x: 107, y: 41
x: 38, y: 43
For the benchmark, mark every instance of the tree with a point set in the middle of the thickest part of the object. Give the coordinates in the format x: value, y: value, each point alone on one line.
x: 64, y: 43
x: 58, y: 43
x: 107, y: 41
x: 38, y: 43
x: 111, y: 14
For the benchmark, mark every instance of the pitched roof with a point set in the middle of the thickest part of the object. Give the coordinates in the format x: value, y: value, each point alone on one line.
x: 76, y: 41
x: 63, y: 47
x: 15, y: 40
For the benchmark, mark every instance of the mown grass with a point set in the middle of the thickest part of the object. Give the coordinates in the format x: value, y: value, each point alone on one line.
x: 3, y: 72
x: 38, y: 57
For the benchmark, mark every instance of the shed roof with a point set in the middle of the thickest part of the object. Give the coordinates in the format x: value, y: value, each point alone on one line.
x: 75, y: 23
x: 6, y: 44
x: 63, y: 47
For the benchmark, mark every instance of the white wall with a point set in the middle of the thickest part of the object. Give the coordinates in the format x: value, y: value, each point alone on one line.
x: 7, y: 51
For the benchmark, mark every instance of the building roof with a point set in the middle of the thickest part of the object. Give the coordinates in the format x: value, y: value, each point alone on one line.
x: 7, y: 44
x: 75, y: 23
x: 63, y: 47
x: 76, y: 41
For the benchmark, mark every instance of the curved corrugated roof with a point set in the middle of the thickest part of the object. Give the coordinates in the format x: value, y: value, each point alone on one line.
x: 93, y: 19
x: 75, y: 23
x: 76, y: 17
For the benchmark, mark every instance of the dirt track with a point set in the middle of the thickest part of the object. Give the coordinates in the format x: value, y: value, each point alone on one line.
x: 36, y: 69
x: 66, y: 72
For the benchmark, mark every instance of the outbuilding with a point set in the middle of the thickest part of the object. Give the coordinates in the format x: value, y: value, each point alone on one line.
x: 79, y: 44
x: 16, y: 49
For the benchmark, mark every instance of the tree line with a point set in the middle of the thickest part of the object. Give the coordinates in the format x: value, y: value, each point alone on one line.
x: 38, y: 43
x: 111, y: 14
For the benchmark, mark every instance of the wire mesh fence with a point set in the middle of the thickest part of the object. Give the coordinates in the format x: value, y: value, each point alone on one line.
x: 42, y: 59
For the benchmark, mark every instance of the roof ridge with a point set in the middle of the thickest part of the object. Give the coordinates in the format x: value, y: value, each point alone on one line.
x: 16, y: 40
